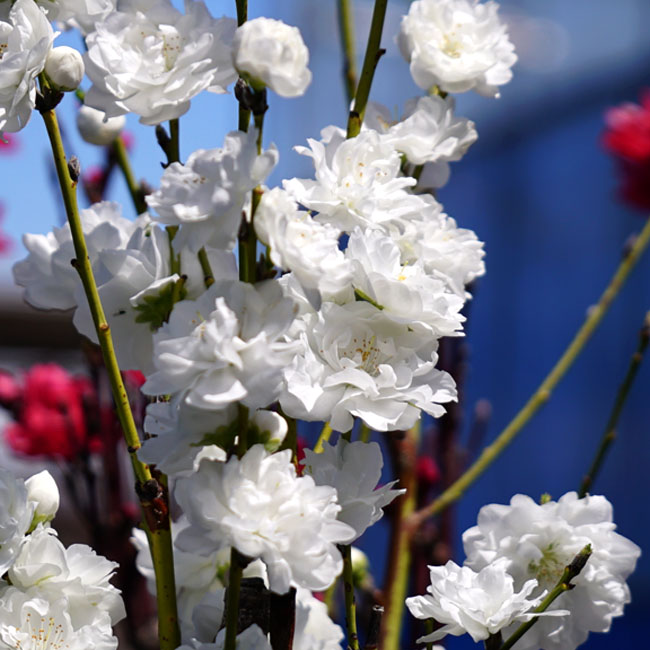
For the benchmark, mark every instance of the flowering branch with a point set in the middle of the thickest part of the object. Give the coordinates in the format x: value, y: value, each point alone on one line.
x: 564, y: 584
x: 543, y: 393
x: 156, y: 522
x: 373, y: 54
x: 350, y: 604
x: 346, y: 27
x: 623, y: 392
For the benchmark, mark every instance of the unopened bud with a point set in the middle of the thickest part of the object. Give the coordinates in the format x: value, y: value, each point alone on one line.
x: 43, y: 491
x: 64, y: 68
x: 95, y: 128
x: 360, y: 567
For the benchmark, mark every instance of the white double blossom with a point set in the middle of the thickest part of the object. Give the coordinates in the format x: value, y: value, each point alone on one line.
x: 354, y: 469
x: 30, y: 622
x: 16, y: 513
x: 314, y: 629
x: 538, y: 541
x: 95, y: 128
x: 357, y: 182
x: 26, y: 39
x: 49, y: 279
x: 260, y: 507
x: 301, y: 244
x: 479, y: 604
x: 271, y: 53
x: 206, y: 195
x: 458, y: 45
x: 82, y: 14
x: 224, y: 347
x: 149, y: 59
x: 355, y: 361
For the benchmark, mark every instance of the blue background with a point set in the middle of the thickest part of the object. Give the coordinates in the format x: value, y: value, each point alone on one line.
x: 536, y: 187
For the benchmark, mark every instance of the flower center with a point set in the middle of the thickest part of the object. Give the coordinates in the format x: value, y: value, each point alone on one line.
x: 365, y: 354
x: 451, y: 45
x: 47, y: 634
x: 549, y: 568
x: 3, y: 48
x: 172, y: 45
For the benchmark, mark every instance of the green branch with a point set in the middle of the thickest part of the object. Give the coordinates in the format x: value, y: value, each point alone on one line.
x: 346, y: 29
x: 543, y: 393
x: 156, y: 521
x: 324, y: 437
x: 208, y: 276
x: 350, y: 603
x: 235, y: 572
x: 174, y: 150
x: 373, y: 54
x: 122, y: 159
x: 564, y: 584
x: 623, y: 391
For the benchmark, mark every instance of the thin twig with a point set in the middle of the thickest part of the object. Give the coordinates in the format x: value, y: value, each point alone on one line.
x: 350, y: 602
x: 624, y: 390
x: 346, y: 29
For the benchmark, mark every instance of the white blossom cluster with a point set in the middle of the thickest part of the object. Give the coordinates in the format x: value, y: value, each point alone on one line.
x: 362, y: 275
x: 50, y: 596
x: 516, y: 554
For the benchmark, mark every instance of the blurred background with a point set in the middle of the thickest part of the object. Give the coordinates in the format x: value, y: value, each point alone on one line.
x: 538, y: 188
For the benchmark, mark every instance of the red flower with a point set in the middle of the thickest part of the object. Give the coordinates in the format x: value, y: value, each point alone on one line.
x: 51, y: 420
x: 628, y: 130
x: 9, y: 143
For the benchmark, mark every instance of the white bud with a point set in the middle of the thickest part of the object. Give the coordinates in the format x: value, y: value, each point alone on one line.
x: 95, y: 129
x: 360, y: 566
x: 44, y: 493
x: 64, y: 68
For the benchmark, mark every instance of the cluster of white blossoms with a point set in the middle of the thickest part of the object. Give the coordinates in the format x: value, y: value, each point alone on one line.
x: 50, y: 596
x: 339, y: 321
x: 516, y: 554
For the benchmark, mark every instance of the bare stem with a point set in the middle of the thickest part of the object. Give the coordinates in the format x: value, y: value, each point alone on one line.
x: 174, y: 151
x: 150, y: 491
x: 122, y: 159
x: 543, y: 393
x: 324, y: 437
x: 346, y: 28
x: 373, y: 54
x: 232, y: 599
x: 624, y: 390
x: 208, y: 276
x: 350, y: 603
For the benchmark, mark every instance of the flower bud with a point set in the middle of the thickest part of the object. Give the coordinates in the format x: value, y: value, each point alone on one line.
x: 64, y: 68
x: 360, y: 567
x: 43, y: 491
x: 94, y: 129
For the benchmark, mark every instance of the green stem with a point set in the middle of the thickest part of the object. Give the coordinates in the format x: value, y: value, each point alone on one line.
x: 208, y: 276
x: 328, y: 597
x: 543, y: 393
x: 373, y: 54
x: 564, y: 584
x: 174, y: 151
x: 122, y: 159
x: 366, y: 433
x: 156, y: 522
x: 610, y: 429
x: 399, y: 560
x: 242, y: 429
x: 428, y: 629
x: 346, y: 28
x: 232, y: 599
x: 324, y: 436
x: 350, y: 603
x: 242, y: 12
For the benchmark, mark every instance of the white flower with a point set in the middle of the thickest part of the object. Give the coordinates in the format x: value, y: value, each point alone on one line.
x: 355, y: 361
x: 195, y: 575
x: 76, y: 573
x: 16, y: 512
x: 224, y: 347
x: 148, y: 58
x: 405, y: 292
x: 480, y: 603
x: 44, y: 493
x: 271, y: 53
x: 538, y: 541
x: 137, y: 290
x: 259, y: 506
x: 46, y: 273
x: 25, y: 39
x: 299, y: 243
x: 458, y: 45
x: 64, y: 68
x: 206, y: 195
x: 31, y: 622
x: 427, y: 132
x: 252, y: 638
x: 82, y: 14
x: 354, y: 469
x: 95, y: 128
x: 314, y: 629
x: 433, y: 240
x: 358, y: 181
